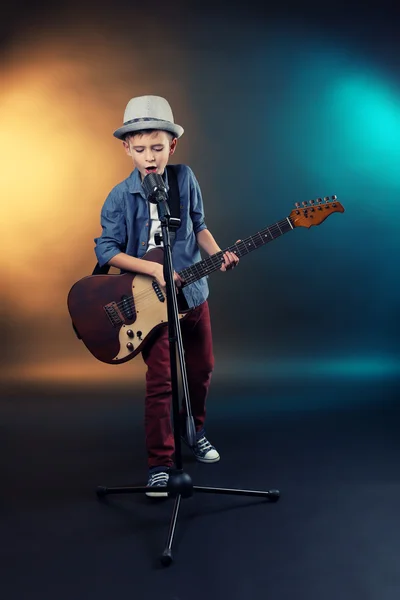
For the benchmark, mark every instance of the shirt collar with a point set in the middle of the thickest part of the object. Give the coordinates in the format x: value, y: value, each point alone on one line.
x: 135, y: 183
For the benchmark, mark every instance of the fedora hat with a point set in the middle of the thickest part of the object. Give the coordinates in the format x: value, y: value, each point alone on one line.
x: 148, y: 112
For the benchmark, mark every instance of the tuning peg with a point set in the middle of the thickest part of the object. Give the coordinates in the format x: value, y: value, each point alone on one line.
x: 334, y: 197
x: 326, y: 198
x: 319, y: 199
x: 304, y: 203
x: 297, y: 205
x: 312, y: 201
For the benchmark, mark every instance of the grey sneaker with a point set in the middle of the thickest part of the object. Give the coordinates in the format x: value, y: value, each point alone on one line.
x: 204, y: 451
x: 158, y: 476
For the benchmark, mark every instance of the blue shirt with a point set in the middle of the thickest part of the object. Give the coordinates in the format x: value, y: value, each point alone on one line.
x: 125, y: 220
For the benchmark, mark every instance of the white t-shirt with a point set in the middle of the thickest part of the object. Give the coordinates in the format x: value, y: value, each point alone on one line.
x: 155, y: 226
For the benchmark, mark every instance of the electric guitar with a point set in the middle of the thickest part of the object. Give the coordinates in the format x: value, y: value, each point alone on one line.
x: 114, y: 315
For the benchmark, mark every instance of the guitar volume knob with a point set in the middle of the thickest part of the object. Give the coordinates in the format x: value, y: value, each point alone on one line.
x: 130, y: 333
x: 129, y: 346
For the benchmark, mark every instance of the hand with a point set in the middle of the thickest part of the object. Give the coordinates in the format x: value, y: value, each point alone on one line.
x: 178, y: 280
x: 159, y: 275
x: 230, y: 260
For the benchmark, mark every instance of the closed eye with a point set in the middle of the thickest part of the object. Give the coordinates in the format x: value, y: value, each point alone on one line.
x: 139, y: 150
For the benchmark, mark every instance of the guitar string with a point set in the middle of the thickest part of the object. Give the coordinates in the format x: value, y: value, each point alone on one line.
x: 150, y: 292
x: 214, y: 261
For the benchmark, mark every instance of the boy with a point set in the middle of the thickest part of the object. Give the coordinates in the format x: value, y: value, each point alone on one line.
x: 129, y: 222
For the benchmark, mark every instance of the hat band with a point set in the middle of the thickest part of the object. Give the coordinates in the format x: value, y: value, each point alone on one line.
x: 141, y: 119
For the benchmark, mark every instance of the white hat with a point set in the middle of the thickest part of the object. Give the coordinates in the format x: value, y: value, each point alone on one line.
x: 148, y: 112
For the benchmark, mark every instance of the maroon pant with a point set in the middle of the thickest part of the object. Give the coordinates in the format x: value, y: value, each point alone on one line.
x: 199, y: 359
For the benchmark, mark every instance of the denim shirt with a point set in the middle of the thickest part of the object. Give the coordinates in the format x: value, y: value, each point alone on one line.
x: 125, y: 221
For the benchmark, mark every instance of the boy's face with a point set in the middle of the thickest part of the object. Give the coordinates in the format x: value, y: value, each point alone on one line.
x: 150, y: 152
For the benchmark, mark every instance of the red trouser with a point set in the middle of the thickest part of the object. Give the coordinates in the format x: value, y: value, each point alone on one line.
x: 199, y: 359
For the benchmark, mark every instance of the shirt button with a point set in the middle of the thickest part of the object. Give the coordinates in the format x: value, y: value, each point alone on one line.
x: 143, y: 243
x: 147, y: 224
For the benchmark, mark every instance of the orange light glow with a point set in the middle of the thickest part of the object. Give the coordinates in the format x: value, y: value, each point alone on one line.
x: 59, y: 107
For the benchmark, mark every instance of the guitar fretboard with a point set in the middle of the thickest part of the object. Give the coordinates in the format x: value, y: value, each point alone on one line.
x: 214, y: 262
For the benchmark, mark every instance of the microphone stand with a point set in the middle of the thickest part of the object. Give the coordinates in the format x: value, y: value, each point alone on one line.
x: 180, y: 483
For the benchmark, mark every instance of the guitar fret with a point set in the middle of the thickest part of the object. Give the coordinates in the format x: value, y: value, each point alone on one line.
x: 278, y: 230
x: 197, y: 267
x: 264, y: 236
x: 259, y: 242
x: 185, y: 274
x: 213, y: 263
x: 216, y: 260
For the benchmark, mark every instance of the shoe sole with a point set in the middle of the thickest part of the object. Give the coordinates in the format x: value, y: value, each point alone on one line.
x: 204, y: 460
x: 157, y: 494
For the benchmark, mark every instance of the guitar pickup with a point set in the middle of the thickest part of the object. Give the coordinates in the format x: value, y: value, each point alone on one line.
x: 128, y: 308
x: 158, y: 291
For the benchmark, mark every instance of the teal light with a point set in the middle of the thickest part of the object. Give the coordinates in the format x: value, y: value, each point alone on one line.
x: 327, y: 299
x: 338, y: 116
x: 366, y: 113
x: 351, y: 367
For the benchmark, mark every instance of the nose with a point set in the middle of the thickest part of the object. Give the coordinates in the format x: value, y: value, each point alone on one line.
x: 150, y: 156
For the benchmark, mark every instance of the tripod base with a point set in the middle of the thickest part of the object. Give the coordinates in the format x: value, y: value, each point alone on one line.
x: 180, y: 486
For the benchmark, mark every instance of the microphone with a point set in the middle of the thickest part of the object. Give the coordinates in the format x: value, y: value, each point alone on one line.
x: 154, y: 188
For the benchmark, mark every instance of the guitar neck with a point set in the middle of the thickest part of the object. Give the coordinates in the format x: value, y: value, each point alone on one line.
x: 213, y: 262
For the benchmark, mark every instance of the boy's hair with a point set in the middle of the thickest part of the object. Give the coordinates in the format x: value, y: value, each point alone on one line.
x: 141, y: 132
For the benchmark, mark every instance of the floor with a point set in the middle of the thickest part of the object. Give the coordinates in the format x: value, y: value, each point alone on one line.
x: 333, y: 534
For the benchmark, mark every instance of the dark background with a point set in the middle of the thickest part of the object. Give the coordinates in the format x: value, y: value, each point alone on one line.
x: 280, y: 103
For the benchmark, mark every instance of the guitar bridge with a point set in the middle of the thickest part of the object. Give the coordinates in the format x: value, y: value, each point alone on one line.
x: 121, y: 312
x: 114, y: 314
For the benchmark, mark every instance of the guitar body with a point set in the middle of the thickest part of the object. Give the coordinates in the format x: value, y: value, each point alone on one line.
x: 114, y: 315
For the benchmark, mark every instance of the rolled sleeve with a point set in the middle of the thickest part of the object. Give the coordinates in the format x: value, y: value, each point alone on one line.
x: 113, y: 238
x: 196, y: 205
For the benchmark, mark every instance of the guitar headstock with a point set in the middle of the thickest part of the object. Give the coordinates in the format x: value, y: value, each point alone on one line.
x: 315, y: 211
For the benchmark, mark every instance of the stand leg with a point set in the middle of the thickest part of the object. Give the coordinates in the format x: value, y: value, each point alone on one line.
x: 102, y: 490
x: 166, y: 557
x: 272, y: 495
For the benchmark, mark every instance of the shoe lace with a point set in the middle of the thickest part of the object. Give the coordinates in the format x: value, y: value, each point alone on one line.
x: 159, y: 478
x: 203, y: 444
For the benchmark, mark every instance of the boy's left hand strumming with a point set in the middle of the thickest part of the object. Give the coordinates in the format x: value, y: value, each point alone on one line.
x: 230, y: 260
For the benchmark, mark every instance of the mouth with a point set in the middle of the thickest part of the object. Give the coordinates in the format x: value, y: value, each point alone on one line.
x: 151, y: 170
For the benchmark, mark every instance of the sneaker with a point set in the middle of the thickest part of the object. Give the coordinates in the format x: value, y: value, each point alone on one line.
x: 158, y: 478
x: 204, y: 451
